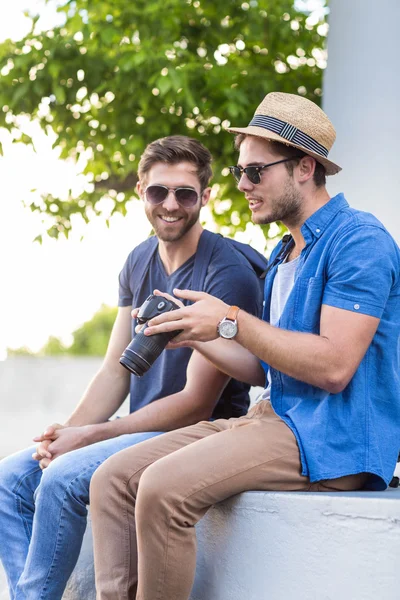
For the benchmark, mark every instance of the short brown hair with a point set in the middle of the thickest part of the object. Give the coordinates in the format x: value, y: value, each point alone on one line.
x: 290, y: 152
x: 175, y: 149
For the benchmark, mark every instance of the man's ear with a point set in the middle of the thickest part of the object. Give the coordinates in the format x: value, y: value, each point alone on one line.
x: 205, y: 196
x: 306, y: 168
x: 140, y: 189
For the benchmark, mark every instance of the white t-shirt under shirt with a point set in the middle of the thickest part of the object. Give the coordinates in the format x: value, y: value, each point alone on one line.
x: 281, y: 288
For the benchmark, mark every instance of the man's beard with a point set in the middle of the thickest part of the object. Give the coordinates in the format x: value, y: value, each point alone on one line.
x: 287, y: 207
x: 179, y: 232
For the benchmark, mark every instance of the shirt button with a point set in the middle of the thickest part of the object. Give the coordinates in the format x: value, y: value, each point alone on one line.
x: 318, y: 230
x: 356, y: 306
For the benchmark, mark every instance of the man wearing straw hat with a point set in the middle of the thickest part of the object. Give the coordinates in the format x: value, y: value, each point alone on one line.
x: 326, y: 352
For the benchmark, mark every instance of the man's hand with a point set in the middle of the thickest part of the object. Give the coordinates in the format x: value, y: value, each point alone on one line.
x: 41, y: 451
x: 198, y: 321
x: 69, y: 438
x: 135, y: 311
x: 59, y: 439
x: 42, y: 454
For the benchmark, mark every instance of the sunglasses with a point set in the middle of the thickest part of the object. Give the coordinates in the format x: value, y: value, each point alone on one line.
x: 254, y: 173
x: 185, y: 196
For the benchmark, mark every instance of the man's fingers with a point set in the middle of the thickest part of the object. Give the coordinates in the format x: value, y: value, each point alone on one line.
x: 163, y: 328
x: 48, y: 433
x: 191, y: 295
x: 134, y: 313
x: 44, y: 463
x: 42, y: 453
x: 165, y: 294
x: 40, y: 456
x: 168, y: 297
x: 42, y: 449
x: 44, y: 437
x: 174, y: 316
x: 177, y: 343
x: 51, y: 429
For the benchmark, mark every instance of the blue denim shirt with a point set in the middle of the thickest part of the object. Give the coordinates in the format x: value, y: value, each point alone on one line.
x: 350, y: 262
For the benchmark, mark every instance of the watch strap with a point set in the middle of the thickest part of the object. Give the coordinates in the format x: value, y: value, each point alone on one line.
x: 232, y: 313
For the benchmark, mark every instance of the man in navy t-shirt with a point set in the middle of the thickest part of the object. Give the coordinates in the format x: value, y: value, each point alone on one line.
x: 42, y: 500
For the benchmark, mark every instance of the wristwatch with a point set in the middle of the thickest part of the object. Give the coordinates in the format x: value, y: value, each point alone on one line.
x: 228, y: 327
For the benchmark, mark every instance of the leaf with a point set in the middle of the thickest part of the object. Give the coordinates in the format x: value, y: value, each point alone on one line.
x: 108, y: 35
x: 25, y: 139
x: 60, y: 94
x: 54, y: 69
x: 19, y: 92
x: 176, y: 79
x: 164, y: 85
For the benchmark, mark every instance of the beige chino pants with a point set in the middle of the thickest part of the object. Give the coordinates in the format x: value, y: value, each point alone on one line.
x: 145, y: 500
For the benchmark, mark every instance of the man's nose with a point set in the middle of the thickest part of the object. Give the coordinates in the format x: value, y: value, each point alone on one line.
x: 245, y: 184
x: 170, y: 202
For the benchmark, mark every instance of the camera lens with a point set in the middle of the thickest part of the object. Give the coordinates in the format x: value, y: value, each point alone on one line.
x: 143, y: 351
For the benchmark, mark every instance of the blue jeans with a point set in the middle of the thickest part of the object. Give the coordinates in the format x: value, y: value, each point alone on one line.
x: 43, y: 515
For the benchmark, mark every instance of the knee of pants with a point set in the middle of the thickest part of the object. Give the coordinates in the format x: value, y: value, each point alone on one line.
x: 8, y: 483
x: 157, y: 493
x: 64, y: 479
x: 7, y: 474
x: 19, y: 474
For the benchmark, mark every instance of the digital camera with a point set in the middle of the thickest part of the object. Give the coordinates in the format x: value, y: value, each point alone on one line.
x: 143, y: 350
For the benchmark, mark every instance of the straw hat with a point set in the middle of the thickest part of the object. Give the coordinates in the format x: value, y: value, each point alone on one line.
x: 294, y: 121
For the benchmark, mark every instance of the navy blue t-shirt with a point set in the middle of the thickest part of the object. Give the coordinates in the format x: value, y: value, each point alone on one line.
x: 229, y: 277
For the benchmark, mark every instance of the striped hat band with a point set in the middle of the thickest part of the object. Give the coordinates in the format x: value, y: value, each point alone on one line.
x: 290, y: 133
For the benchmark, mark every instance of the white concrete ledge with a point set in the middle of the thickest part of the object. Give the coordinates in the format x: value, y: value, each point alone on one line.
x: 279, y: 546
x: 284, y: 546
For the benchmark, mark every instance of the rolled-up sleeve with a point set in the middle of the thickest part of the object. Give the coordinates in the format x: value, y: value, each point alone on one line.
x: 362, y: 270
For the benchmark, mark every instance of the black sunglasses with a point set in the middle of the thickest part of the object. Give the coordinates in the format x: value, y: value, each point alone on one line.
x: 254, y: 173
x: 185, y: 196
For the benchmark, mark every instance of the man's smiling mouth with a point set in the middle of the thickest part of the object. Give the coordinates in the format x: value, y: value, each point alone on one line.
x: 170, y: 219
x: 253, y: 202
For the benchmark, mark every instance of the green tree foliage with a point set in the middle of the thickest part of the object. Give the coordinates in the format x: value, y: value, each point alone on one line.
x: 119, y: 74
x: 53, y: 347
x: 22, y: 351
x: 91, y: 339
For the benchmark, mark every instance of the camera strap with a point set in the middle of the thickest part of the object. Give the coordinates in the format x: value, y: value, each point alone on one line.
x: 143, y: 255
x: 204, y: 251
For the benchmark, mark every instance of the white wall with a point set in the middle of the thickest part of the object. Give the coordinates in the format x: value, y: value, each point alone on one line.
x: 37, y: 392
x: 362, y: 98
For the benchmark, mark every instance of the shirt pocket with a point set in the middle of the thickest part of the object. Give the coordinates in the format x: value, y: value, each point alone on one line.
x: 308, y: 302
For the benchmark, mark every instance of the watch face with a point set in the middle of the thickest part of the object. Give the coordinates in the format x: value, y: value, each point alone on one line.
x: 228, y: 329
